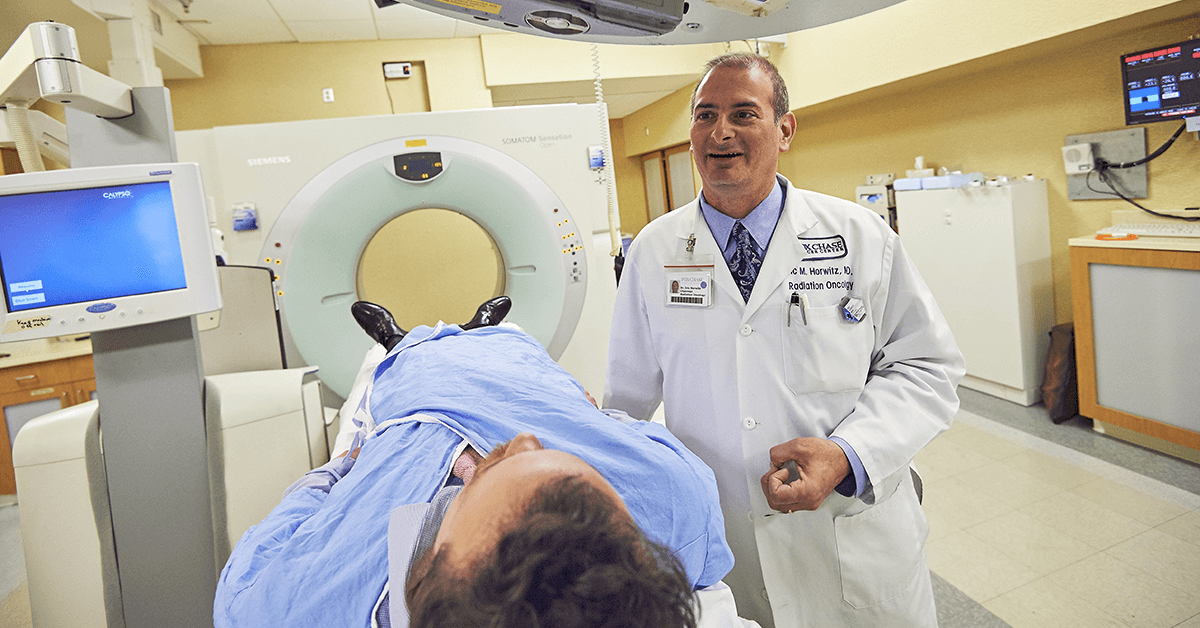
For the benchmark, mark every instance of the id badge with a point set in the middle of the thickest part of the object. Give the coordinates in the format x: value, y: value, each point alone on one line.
x: 689, y: 283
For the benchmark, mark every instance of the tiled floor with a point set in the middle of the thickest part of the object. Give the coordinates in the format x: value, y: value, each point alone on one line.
x: 1044, y: 536
x: 1031, y: 525
x: 14, y: 594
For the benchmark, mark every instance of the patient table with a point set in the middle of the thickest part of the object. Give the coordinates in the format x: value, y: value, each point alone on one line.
x: 266, y: 429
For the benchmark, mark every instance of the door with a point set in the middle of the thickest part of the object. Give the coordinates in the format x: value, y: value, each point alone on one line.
x: 670, y: 180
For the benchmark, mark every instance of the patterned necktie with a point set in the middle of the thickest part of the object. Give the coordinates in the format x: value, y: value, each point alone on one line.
x: 745, y: 261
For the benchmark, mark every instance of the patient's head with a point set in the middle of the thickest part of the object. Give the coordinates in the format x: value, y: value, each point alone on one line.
x: 540, y: 538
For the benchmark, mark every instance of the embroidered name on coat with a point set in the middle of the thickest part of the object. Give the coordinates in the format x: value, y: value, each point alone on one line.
x: 831, y: 247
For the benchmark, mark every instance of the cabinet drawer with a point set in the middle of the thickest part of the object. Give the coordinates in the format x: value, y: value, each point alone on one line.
x: 33, y: 376
x: 81, y: 368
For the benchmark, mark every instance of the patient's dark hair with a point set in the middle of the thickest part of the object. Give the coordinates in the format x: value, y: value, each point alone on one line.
x: 572, y: 560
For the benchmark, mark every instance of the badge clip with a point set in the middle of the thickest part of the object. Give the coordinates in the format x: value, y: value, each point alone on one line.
x: 853, y: 309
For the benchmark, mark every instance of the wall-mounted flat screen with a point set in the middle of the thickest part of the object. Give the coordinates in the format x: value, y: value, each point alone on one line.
x: 1162, y: 84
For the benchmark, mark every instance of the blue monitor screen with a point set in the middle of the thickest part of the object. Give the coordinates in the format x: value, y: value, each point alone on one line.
x: 90, y: 244
x: 1162, y: 84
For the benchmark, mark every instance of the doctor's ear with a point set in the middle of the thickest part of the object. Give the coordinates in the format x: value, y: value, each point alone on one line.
x: 787, y: 129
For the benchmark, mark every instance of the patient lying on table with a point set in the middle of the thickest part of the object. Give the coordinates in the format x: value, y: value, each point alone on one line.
x: 573, y: 518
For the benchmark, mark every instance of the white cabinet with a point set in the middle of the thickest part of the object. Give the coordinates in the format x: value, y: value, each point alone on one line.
x: 985, y: 253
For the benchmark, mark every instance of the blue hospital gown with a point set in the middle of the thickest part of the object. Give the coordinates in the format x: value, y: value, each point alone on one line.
x: 320, y: 559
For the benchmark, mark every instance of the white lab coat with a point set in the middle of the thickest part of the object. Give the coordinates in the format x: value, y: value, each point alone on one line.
x: 737, y: 379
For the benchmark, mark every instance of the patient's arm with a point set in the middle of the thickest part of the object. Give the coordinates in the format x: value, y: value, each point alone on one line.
x: 619, y: 415
x: 325, y: 476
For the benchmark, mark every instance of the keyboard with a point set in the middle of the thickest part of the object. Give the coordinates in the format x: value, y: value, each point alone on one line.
x: 1156, y: 229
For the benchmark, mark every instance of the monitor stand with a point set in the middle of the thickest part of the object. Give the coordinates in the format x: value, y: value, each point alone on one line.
x: 150, y: 385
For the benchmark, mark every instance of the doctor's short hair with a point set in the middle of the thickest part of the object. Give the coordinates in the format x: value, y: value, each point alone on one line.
x: 746, y: 61
x: 573, y: 559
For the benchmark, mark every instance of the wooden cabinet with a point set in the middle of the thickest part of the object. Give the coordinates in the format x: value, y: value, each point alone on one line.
x: 1136, y: 340
x: 31, y: 390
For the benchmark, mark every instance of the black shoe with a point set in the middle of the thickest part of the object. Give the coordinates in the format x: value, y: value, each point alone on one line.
x: 490, y: 313
x: 378, y: 323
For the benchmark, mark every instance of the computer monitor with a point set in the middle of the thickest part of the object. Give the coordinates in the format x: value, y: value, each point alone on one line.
x: 1162, y: 84
x: 91, y: 249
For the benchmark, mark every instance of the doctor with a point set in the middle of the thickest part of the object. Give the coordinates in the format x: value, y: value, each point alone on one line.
x: 799, y: 331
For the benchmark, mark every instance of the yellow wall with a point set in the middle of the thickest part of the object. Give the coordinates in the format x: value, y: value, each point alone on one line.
x: 913, y: 41
x: 631, y: 186
x: 257, y: 83
x: 1004, y: 114
x: 1010, y: 120
x: 915, y: 37
x: 660, y: 125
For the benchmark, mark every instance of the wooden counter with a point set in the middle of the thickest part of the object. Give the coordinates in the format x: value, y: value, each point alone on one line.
x: 1137, y: 338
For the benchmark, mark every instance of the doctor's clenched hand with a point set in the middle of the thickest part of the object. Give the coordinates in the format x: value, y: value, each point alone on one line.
x: 822, y: 465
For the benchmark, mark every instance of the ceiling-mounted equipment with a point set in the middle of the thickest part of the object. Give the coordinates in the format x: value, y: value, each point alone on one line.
x: 649, y: 21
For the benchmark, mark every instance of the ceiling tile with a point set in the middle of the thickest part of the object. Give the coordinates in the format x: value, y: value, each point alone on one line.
x: 222, y: 10
x: 437, y: 28
x: 333, y: 30
x: 311, y: 10
x: 243, y: 31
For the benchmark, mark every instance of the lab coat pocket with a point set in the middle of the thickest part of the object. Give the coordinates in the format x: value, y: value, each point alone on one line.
x: 822, y: 352
x: 879, y: 550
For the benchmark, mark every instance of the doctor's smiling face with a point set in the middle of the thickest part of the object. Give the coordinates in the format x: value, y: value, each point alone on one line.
x: 736, y: 137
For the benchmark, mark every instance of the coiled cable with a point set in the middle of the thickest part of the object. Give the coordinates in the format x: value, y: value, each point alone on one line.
x: 606, y: 172
x: 22, y: 132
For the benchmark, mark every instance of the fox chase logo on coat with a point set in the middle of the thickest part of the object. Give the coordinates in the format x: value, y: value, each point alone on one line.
x: 832, y: 247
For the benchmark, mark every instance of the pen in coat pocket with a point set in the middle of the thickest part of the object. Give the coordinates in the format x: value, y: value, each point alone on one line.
x: 802, y: 301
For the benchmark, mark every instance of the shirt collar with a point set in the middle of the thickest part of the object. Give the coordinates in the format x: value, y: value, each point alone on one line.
x: 760, y: 221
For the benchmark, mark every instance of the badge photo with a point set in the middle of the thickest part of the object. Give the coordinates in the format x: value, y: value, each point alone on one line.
x: 689, y: 285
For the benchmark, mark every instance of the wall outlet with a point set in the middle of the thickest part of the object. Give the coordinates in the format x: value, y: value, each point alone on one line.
x: 327, y: 94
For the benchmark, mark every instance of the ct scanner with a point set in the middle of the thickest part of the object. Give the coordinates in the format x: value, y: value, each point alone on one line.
x: 324, y: 189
